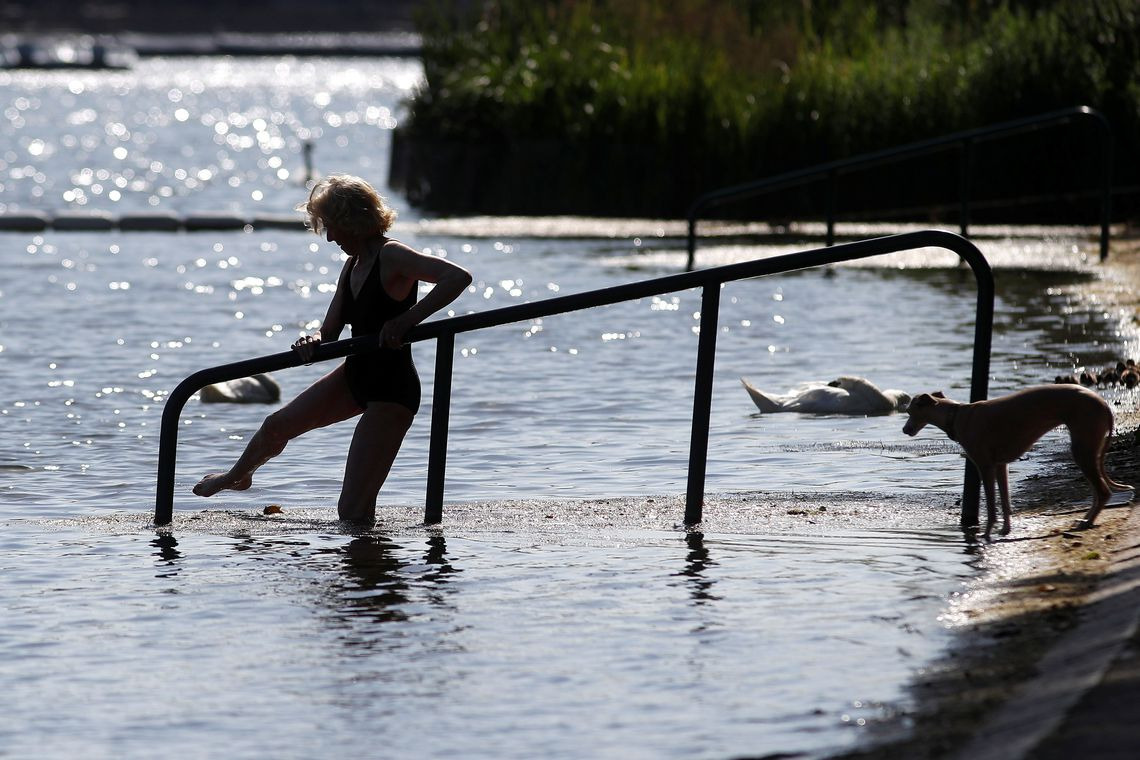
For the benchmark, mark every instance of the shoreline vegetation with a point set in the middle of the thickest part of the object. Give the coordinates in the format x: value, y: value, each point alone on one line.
x: 634, y: 108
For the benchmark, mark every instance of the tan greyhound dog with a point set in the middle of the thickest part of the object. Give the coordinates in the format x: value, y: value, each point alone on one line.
x: 994, y: 433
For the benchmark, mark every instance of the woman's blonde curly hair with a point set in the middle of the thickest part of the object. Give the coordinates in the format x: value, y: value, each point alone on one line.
x: 347, y: 203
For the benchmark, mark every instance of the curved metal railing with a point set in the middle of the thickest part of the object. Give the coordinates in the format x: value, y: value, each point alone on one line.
x: 708, y: 280
x: 965, y: 140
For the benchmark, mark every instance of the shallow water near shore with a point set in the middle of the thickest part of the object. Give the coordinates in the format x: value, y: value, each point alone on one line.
x: 248, y: 637
x: 560, y: 610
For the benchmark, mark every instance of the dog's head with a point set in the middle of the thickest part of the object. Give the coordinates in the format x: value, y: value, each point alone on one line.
x: 920, y: 409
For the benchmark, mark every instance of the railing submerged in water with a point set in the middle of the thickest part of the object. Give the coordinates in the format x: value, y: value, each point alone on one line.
x: 965, y: 141
x: 709, y: 280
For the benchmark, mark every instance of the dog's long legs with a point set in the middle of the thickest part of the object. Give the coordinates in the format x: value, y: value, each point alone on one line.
x: 1090, y: 516
x: 1091, y: 462
x: 1002, y: 472
x: 987, y: 476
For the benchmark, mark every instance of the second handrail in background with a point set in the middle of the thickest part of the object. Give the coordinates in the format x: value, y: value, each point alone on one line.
x: 966, y: 139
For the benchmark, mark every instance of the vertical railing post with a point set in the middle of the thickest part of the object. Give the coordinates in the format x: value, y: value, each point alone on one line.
x: 440, y: 416
x: 702, y: 402
x: 965, y: 183
x: 832, y: 179
x: 692, y: 262
x: 167, y: 451
x: 1105, y: 188
x: 979, y: 378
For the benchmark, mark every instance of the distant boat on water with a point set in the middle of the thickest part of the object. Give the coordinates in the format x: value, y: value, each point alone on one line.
x: 65, y: 53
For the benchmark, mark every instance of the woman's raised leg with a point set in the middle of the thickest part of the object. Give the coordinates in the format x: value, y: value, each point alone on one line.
x: 326, y: 401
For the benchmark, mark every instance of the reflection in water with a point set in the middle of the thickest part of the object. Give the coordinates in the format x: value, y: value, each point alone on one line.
x: 437, y: 577
x: 375, y: 581
x: 375, y: 585
x: 696, y: 562
x: 167, y: 554
x: 371, y: 586
x: 367, y: 581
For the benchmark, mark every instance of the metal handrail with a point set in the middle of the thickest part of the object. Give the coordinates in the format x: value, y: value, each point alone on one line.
x: 709, y: 280
x: 965, y: 139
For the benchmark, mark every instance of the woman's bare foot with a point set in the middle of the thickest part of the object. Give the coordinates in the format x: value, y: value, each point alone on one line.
x: 221, y: 481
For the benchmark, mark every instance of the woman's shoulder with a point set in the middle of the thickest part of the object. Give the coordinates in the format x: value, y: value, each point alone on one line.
x: 396, y: 252
x: 387, y: 244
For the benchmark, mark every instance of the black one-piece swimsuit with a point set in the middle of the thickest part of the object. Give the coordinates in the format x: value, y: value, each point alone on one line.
x: 388, y: 374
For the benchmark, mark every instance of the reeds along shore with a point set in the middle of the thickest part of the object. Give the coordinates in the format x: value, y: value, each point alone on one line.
x: 660, y: 103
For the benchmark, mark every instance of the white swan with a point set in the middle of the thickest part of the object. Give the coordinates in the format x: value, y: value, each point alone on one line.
x: 258, y: 389
x: 844, y: 395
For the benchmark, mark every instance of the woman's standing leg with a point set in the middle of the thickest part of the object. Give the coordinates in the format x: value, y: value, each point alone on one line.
x: 375, y: 443
x: 326, y: 401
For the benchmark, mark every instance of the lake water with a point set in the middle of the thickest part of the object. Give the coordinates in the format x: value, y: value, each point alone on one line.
x: 559, y: 610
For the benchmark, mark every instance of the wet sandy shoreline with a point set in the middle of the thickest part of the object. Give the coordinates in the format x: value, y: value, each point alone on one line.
x: 1041, y: 592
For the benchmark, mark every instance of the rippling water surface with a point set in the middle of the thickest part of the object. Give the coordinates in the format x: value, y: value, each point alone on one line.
x: 558, y: 611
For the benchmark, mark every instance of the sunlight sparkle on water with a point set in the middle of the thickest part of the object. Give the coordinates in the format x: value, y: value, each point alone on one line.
x: 253, y: 136
x: 981, y: 599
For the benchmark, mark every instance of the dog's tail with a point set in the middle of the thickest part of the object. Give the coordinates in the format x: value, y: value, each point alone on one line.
x: 763, y: 403
x: 1112, y: 484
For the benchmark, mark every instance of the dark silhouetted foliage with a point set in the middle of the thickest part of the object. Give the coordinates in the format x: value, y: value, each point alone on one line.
x: 638, y: 106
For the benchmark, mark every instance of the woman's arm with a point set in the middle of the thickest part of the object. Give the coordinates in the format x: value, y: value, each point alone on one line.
x: 332, y: 324
x: 408, y: 266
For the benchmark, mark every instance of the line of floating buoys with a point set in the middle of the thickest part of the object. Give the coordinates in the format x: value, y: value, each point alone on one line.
x: 144, y: 222
x: 122, y: 51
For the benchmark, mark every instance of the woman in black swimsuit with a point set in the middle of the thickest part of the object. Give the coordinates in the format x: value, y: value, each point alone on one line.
x: 376, y: 294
